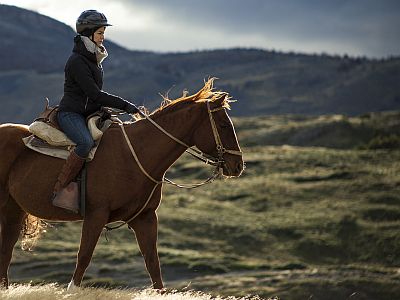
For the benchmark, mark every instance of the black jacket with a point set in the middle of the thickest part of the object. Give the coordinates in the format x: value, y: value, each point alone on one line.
x: 83, y: 84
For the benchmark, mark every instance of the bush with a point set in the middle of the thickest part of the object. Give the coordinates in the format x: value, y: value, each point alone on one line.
x: 385, y: 142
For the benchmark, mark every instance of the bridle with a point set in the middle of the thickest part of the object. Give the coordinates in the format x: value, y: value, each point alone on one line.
x: 220, y: 147
x: 218, y: 162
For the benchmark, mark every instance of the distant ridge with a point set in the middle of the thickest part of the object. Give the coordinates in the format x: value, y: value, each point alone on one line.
x: 35, y: 47
x: 31, y: 41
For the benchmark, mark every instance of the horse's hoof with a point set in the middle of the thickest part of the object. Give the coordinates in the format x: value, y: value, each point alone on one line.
x: 161, y: 291
x: 3, y: 284
x: 72, y: 287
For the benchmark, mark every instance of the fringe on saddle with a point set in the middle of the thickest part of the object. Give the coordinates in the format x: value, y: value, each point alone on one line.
x: 47, y: 137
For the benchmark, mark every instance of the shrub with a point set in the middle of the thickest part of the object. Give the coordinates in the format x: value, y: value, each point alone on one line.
x: 385, y: 142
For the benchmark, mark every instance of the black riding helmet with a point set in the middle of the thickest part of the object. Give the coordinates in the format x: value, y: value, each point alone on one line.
x: 89, y: 21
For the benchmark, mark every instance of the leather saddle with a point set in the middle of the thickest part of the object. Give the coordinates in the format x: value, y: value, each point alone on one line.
x: 49, y: 115
x: 46, y: 127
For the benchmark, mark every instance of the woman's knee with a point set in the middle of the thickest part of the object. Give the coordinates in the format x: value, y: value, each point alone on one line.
x: 83, y: 148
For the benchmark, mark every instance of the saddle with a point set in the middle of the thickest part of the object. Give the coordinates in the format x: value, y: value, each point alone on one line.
x: 47, y: 137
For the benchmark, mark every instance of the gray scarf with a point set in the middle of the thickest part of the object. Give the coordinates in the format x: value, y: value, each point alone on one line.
x: 101, y: 52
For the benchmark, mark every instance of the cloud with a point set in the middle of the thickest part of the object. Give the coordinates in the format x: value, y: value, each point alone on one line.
x: 356, y: 27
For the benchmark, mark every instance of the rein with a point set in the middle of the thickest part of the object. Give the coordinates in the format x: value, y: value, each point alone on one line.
x: 217, y: 162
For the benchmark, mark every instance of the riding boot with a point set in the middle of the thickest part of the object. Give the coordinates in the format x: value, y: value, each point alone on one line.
x: 65, y: 193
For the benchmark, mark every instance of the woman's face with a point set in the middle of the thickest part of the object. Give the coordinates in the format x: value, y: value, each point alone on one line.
x: 98, y: 36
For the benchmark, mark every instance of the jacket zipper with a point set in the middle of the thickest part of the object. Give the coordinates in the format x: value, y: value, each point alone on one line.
x: 87, y: 100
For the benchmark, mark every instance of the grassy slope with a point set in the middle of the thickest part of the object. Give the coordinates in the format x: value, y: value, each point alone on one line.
x: 301, y: 221
x: 331, y: 131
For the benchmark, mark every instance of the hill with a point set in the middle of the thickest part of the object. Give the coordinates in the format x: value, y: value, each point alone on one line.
x: 34, y: 42
x: 368, y: 131
x: 264, y: 82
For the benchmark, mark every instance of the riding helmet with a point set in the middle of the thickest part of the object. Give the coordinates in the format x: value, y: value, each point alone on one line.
x: 89, y: 21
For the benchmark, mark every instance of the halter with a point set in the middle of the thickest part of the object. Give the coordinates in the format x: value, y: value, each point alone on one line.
x: 208, y: 159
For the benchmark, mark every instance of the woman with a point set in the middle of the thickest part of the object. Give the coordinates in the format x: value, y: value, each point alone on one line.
x: 83, y: 96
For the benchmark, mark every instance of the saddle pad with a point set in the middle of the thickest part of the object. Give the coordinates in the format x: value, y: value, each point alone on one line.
x: 38, y: 145
x: 48, y: 133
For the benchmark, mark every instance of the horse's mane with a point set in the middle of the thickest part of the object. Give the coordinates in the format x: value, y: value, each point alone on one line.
x: 206, y: 93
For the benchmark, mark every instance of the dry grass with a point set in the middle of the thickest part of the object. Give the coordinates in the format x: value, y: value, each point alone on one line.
x: 54, y: 292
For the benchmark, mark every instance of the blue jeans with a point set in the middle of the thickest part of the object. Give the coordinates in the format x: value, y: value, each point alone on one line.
x: 74, y: 126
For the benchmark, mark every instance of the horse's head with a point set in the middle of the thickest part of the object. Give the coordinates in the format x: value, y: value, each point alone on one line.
x: 216, y: 135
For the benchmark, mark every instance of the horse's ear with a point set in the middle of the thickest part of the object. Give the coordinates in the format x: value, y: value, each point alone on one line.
x: 219, y: 101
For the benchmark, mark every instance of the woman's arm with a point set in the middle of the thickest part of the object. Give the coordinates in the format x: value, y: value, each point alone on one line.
x: 82, y: 74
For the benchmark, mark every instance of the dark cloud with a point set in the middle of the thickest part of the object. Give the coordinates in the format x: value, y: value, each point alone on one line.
x: 364, y: 27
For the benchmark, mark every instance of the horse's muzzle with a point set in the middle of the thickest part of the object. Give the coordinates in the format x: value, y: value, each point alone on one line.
x: 233, y: 169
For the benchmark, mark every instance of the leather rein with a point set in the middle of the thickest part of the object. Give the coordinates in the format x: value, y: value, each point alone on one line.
x: 208, y: 159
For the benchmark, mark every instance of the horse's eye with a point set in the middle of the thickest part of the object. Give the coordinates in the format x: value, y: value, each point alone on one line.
x: 225, y: 125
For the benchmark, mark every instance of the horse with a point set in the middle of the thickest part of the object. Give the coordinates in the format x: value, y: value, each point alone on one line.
x: 118, y: 186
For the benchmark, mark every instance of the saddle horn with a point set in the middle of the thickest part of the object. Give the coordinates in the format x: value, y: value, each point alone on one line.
x: 47, y: 103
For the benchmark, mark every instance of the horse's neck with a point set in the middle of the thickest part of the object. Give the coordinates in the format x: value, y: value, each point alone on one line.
x: 158, y: 151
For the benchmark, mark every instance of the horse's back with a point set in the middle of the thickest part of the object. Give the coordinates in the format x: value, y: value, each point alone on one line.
x: 11, y: 145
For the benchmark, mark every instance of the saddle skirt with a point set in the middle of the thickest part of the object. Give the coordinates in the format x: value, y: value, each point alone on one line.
x: 49, y: 140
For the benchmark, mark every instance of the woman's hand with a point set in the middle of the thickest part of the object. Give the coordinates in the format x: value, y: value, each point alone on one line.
x: 133, y: 109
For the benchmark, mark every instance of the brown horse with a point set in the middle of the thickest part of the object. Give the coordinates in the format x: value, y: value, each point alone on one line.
x: 117, y: 188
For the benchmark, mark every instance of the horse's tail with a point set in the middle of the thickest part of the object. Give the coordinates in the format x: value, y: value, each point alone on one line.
x: 31, y: 232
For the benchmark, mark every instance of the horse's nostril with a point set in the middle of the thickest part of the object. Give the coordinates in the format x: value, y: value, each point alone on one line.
x: 239, y: 167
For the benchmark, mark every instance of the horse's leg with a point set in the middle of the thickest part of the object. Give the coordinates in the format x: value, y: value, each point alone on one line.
x: 145, y: 227
x: 4, y: 195
x: 92, y: 226
x: 11, y: 218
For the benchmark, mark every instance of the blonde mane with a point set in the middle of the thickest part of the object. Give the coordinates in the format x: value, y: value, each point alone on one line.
x: 206, y: 93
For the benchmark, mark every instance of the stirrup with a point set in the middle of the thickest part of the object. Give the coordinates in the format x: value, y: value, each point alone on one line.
x: 68, y: 198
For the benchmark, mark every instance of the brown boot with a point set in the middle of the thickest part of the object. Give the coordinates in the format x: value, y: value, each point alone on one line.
x: 66, y: 192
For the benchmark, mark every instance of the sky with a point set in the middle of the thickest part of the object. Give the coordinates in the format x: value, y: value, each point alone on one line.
x: 355, y: 27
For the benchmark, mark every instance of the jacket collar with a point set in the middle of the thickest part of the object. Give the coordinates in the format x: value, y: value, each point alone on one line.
x: 85, y: 46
